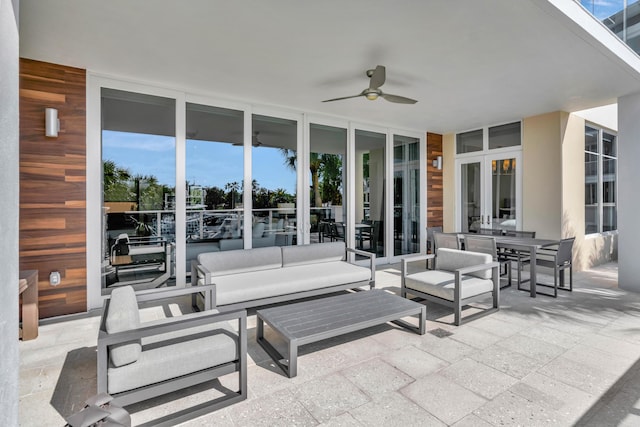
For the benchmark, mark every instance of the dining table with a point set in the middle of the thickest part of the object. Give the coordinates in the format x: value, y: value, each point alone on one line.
x: 524, y: 245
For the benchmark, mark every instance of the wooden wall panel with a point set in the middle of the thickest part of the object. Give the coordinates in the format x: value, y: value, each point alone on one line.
x: 52, y: 184
x: 434, y: 182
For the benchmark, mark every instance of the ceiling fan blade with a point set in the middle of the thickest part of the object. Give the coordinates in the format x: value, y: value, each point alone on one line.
x: 398, y: 99
x: 378, y: 77
x: 344, y: 97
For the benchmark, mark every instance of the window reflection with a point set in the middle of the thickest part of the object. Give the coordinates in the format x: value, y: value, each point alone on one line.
x: 274, y: 159
x: 328, y: 146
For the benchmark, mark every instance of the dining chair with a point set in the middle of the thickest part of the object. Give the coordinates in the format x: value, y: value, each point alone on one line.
x: 487, y: 245
x: 430, y: 239
x: 559, y: 259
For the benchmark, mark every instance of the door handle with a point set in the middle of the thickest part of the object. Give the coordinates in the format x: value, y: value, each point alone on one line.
x: 488, y: 219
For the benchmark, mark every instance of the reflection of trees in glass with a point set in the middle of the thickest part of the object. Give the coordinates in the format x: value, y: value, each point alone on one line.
x: 115, y: 181
x: 233, y: 189
x: 215, y: 198
x: 331, y: 174
x: 119, y: 185
x: 323, y: 167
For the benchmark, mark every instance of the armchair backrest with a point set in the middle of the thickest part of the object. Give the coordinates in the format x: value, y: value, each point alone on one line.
x: 453, y: 259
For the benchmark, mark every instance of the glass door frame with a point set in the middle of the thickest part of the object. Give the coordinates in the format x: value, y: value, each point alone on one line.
x: 422, y: 198
x: 486, y: 188
x: 305, y: 182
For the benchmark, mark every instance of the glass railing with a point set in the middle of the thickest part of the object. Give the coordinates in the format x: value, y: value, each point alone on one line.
x: 622, y: 17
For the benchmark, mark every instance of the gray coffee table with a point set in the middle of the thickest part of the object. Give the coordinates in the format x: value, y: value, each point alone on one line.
x: 307, y: 322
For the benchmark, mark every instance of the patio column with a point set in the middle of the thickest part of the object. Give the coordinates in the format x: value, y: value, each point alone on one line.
x: 628, y: 195
x: 9, y: 209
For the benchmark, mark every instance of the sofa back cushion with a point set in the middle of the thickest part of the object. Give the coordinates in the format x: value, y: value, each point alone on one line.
x: 241, y: 261
x: 453, y: 259
x: 312, y: 254
x: 122, y: 315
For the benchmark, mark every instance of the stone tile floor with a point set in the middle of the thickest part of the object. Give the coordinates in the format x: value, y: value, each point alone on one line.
x: 574, y: 360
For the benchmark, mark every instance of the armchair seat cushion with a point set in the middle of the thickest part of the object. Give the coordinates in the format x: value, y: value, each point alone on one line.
x: 179, y: 356
x: 234, y: 288
x: 441, y: 284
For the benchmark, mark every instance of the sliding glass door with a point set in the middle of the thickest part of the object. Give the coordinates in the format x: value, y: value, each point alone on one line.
x: 407, y: 219
x: 138, y: 189
x: 327, y: 178
x: 214, y: 169
x: 371, y: 195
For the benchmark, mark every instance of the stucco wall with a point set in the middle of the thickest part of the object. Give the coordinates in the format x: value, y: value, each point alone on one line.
x: 9, y: 176
x: 542, y: 175
x: 596, y: 248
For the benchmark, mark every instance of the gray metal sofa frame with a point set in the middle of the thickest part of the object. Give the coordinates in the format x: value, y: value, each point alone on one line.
x: 457, y: 302
x: 198, y: 270
x: 192, y: 320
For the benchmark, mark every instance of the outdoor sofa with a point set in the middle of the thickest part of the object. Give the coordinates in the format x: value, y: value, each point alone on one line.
x: 261, y: 276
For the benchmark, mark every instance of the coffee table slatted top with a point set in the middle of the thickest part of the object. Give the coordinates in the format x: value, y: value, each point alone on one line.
x: 317, y: 317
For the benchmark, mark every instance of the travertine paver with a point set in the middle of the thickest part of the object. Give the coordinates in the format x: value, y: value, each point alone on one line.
x: 375, y: 377
x: 507, y: 361
x: 329, y: 396
x: 393, y: 409
x: 479, y: 378
x: 443, y: 398
x: 413, y: 361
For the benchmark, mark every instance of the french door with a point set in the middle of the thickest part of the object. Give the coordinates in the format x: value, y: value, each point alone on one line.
x: 489, y: 189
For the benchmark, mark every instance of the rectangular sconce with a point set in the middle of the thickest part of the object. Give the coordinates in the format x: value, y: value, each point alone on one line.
x: 437, y: 162
x: 51, y: 122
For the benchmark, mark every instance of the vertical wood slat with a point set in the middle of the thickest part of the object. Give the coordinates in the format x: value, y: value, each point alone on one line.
x: 434, y: 182
x: 52, y: 184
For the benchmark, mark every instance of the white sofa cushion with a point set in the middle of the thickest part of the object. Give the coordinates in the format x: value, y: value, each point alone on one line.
x: 311, y: 254
x: 453, y: 259
x: 249, y: 286
x: 123, y: 315
x: 442, y: 283
x: 241, y: 261
x: 164, y: 361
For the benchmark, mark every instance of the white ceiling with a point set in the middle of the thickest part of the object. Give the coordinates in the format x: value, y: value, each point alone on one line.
x: 469, y: 63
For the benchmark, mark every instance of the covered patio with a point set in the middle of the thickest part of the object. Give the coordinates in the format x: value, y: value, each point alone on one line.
x: 566, y: 361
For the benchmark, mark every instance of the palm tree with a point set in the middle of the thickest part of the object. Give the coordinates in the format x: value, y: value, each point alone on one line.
x: 315, y: 163
x: 232, y: 188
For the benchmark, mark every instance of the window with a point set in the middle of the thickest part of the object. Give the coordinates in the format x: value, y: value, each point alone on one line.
x: 503, y: 136
x: 600, y: 173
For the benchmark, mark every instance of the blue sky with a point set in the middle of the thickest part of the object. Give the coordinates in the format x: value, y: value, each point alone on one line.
x: 602, y: 9
x: 208, y: 164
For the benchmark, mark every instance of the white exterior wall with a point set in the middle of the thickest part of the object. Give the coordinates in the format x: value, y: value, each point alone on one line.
x: 628, y: 194
x: 9, y: 223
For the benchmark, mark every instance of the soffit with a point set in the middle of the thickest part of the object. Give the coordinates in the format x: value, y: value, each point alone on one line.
x: 469, y: 63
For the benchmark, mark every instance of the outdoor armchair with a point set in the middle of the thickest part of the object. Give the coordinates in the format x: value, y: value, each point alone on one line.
x: 138, y: 361
x: 460, y: 278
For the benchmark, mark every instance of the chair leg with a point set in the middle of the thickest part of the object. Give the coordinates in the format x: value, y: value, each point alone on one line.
x: 556, y: 275
x: 570, y: 278
x: 457, y: 312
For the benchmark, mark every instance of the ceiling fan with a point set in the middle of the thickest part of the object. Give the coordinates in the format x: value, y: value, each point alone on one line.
x: 373, y: 92
x: 255, y: 141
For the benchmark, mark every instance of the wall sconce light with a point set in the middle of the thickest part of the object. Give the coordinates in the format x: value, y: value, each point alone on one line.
x: 51, y: 122
x: 437, y: 163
